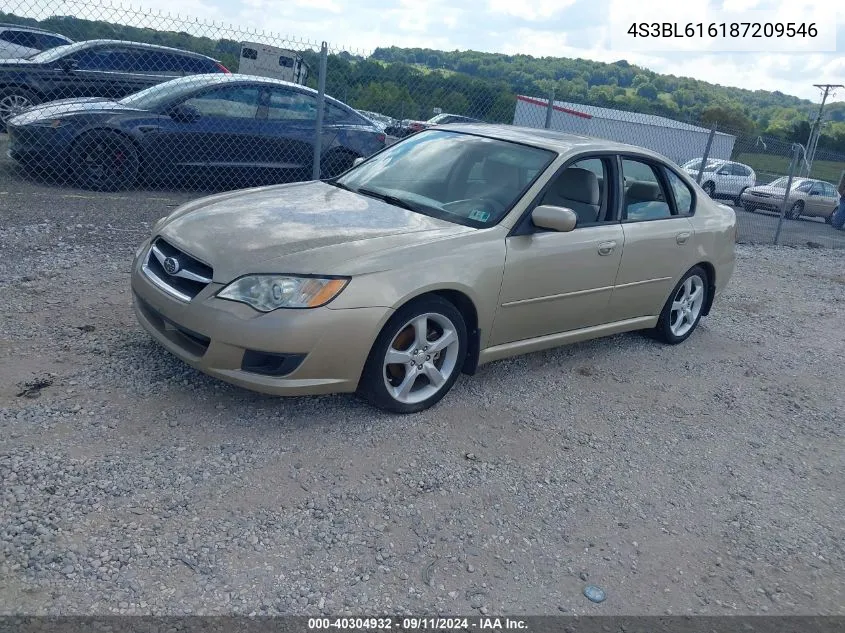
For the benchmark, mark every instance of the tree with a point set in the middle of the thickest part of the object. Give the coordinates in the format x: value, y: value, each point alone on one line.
x: 647, y: 91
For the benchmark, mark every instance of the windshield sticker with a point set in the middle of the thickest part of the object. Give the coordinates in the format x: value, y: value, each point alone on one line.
x: 478, y: 214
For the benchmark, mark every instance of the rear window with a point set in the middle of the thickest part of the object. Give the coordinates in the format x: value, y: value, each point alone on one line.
x: 20, y: 38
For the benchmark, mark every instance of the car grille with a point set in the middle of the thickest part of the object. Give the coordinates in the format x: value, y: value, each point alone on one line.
x: 761, y: 194
x: 175, y: 272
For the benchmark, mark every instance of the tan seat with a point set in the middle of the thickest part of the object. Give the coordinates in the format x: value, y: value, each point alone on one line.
x: 576, y: 189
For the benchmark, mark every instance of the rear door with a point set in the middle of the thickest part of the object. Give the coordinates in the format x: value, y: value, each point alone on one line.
x: 658, y: 235
x: 816, y: 201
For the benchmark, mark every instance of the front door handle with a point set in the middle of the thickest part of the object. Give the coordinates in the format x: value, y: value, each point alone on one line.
x: 606, y: 248
x: 681, y: 238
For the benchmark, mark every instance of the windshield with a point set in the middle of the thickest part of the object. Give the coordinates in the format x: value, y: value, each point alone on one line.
x: 155, y: 96
x: 462, y: 178
x: 53, y: 54
x: 780, y: 183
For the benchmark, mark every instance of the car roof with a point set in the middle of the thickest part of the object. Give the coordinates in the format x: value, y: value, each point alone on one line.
x: 220, y: 78
x: 153, y: 47
x: 34, y: 29
x: 554, y: 140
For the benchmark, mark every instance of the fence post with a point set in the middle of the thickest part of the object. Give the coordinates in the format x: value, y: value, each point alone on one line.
x: 550, y: 108
x: 792, y: 165
x: 321, y: 106
x: 706, y: 153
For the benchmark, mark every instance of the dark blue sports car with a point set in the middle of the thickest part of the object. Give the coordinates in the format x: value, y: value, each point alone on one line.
x: 223, y: 127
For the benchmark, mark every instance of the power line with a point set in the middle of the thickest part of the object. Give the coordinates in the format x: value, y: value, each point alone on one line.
x: 815, y: 132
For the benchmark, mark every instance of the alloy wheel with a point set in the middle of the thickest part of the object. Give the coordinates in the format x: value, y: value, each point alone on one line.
x: 421, y: 358
x: 686, y: 306
x: 12, y: 104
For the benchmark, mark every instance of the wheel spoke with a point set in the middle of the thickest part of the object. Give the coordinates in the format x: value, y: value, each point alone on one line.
x: 696, y: 295
x: 421, y: 332
x: 397, y: 357
x: 677, y: 306
x: 446, y: 339
x: 435, y: 377
x: 401, y: 392
x: 688, y: 288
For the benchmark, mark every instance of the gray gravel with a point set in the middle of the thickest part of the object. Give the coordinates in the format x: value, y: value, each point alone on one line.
x: 703, y: 478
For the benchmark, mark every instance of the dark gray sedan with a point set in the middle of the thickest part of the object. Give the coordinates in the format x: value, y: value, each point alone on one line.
x: 232, y: 128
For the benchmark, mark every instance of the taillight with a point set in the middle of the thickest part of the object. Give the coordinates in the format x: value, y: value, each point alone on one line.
x: 223, y: 69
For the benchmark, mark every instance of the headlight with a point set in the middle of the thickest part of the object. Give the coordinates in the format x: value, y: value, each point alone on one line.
x: 271, y: 292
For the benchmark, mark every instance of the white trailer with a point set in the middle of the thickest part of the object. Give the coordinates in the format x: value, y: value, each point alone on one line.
x: 269, y: 61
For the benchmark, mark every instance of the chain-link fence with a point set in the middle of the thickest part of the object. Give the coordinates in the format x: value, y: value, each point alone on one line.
x: 116, y: 98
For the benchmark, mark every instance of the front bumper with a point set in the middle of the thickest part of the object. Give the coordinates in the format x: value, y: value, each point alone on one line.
x: 767, y: 203
x: 39, y: 147
x: 327, y: 348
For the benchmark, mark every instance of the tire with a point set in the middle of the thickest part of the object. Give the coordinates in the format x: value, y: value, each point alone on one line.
x: 738, y: 199
x: 829, y: 219
x: 796, y: 210
x: 709, y: 188
x: 335, y: 163
x: 668, y: 328
x: 105, y: 161
x: 390, y: 386
x: 13, y: 100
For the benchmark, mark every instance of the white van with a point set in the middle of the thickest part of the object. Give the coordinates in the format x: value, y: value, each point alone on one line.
x: 276, y: 63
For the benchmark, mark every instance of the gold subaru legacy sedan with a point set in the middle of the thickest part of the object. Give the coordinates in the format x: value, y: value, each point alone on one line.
x: 455, y: 247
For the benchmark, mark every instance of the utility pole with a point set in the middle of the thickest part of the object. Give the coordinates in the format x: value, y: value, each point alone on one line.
x: 815, y: 132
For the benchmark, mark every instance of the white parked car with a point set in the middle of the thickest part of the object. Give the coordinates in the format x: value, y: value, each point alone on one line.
x: 20, y: 42
x: 723, y: 178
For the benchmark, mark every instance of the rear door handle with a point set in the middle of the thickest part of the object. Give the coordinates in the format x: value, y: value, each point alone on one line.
x: 681, y: 238
x: 606, y: 248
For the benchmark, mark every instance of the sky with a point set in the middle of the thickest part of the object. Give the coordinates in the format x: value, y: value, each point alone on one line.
x: 558, y: 28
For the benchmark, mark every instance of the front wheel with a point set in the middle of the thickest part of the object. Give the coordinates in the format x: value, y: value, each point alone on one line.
x: 710, y: 189
x: 796, y: 210
x: 335, y: 163
x: 682, y: 312
x: 417, y: 357
x: 105, y: 161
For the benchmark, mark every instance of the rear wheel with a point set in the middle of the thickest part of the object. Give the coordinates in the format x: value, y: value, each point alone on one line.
x: 682, y: 311
x: 796, y: 210
x: 417, y: 357
x: 738, y: 199
x: 105, y: 161
x: 829, y: 219
x: 12, y: 102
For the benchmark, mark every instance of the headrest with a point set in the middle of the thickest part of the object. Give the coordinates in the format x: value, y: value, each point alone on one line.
x: 579, y: 185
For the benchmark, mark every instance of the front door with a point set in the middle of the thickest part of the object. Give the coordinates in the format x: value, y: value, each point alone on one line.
x: 556, y: 282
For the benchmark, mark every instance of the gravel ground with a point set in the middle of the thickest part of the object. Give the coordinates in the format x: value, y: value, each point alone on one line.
x: 702, y: 478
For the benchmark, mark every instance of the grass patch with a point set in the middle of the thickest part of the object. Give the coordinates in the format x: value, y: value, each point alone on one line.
x: 779, y: 166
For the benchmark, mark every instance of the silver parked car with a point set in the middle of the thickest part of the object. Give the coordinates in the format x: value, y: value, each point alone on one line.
x: 809, y: 197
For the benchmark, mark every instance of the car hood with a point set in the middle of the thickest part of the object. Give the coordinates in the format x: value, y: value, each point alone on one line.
x: 772, y: 191
x: 66, y: 107
x: 309, y: 228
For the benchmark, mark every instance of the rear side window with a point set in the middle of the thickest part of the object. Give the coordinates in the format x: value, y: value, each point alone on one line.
x: 20, y: 38
x: 285, y: 62
x: 46, y: 42
x: 682, y: 193
x: 645, y: 197
x: 829, y: 190
x: 741, y: 170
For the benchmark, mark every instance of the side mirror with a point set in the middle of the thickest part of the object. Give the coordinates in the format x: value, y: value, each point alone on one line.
x: 357, y: 161
x: 558, y: 219
x: 183, y: 113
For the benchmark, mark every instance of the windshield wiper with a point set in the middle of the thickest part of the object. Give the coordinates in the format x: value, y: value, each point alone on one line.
x: 385, y: 197
x: 335, y: 183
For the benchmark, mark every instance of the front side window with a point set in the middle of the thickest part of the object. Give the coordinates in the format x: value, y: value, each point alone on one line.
x: 582, y: 187
x: 462, y: 178
x: 232, y: 102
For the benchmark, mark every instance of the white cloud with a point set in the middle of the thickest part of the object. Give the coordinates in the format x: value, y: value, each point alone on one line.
x: 532, y: 10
